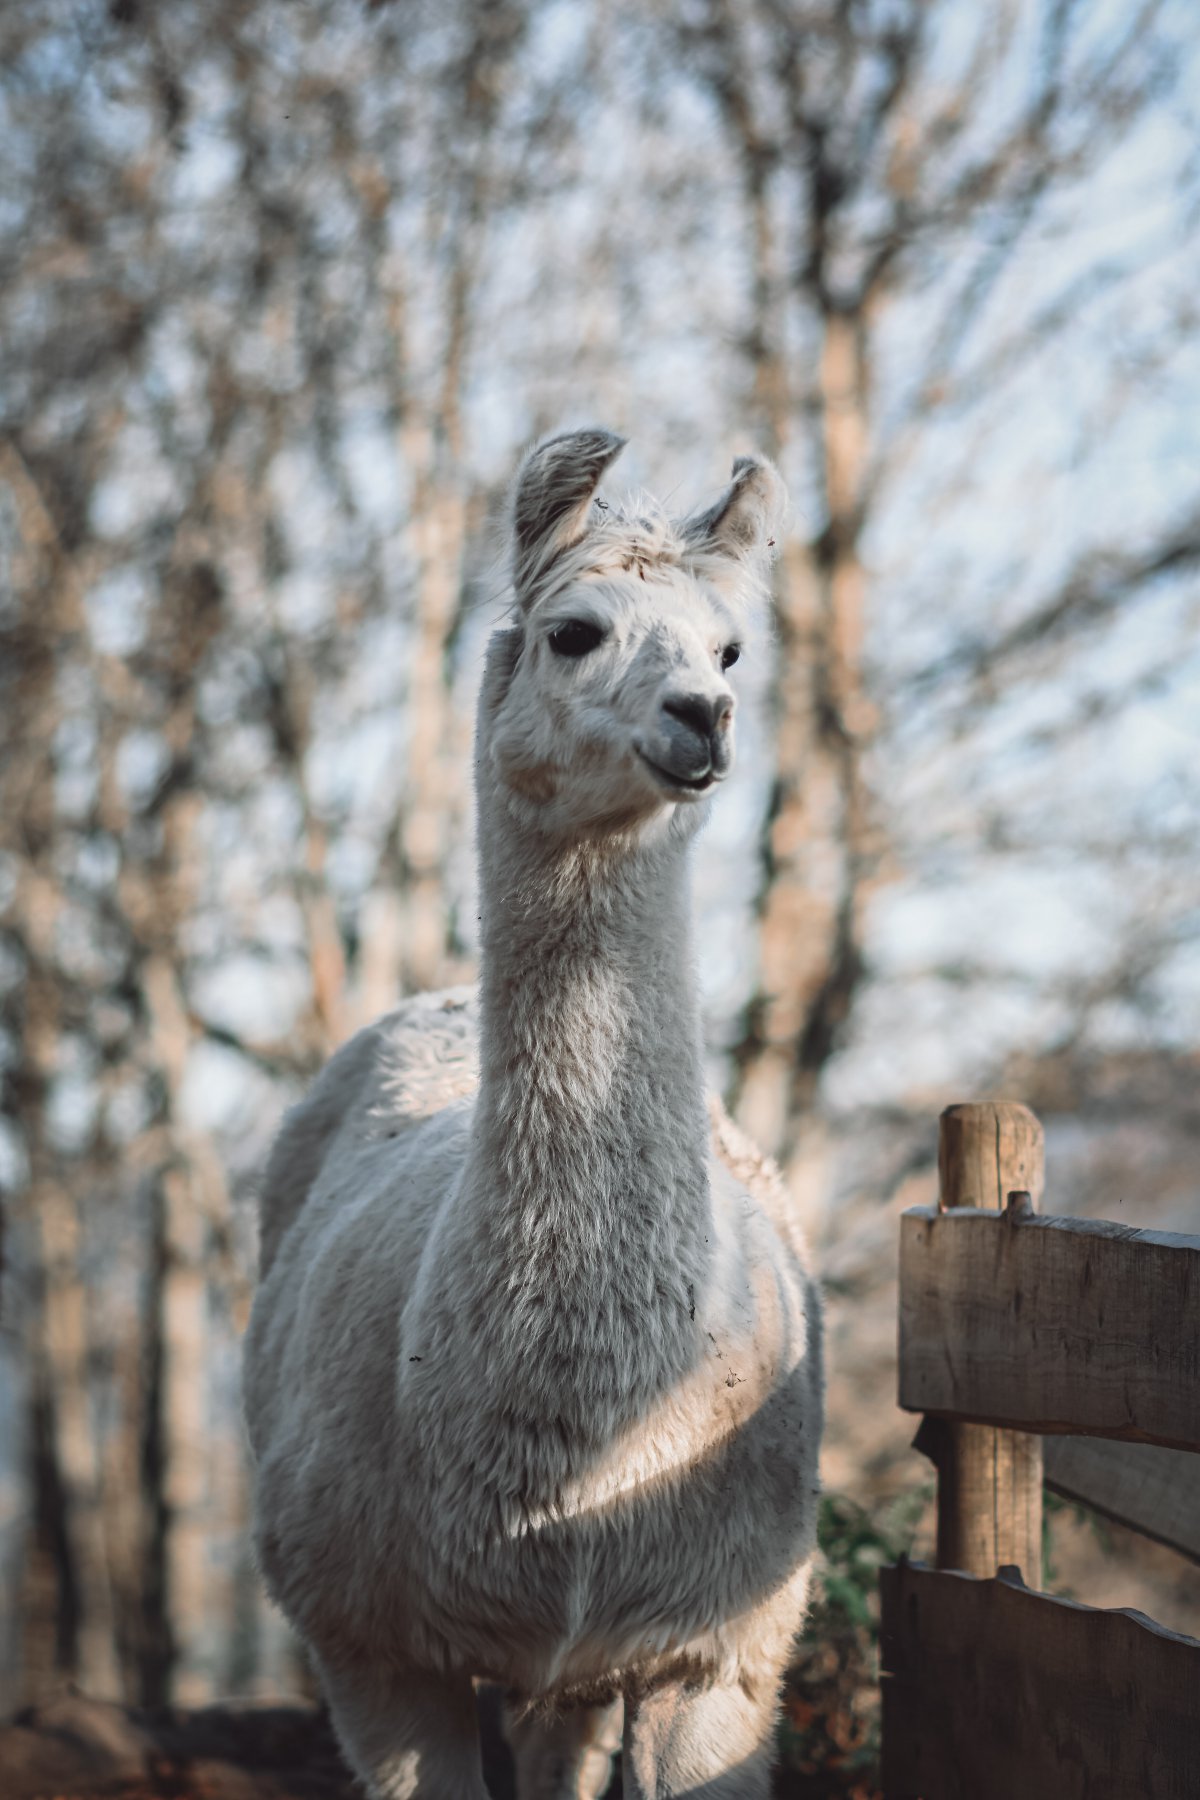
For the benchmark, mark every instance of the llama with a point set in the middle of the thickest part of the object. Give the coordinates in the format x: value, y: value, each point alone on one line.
x: 533, y: 1375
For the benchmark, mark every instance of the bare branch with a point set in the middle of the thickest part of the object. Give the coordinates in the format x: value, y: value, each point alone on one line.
x: 1100, y: 588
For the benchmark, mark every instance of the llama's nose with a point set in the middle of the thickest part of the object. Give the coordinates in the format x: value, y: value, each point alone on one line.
x: 705, y: 714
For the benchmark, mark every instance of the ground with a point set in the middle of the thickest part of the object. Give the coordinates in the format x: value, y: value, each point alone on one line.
x: 73, y: 1748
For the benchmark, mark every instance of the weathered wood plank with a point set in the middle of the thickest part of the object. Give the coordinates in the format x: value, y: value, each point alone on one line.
x: 1051, y: 1325
x: 989, y: 1491
x: 989, y: 1497
x: 992, y: 1691
x: 986, y: 1148
x: 1156, y: 1491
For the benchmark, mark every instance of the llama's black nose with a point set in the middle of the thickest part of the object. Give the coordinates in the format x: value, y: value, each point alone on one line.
x: 705, y: 714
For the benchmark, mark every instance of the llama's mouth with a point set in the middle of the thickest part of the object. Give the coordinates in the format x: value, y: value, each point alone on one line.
x: 680, y: 784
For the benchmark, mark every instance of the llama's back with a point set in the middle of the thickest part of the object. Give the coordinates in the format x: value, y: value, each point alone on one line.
x: 408, y: 1065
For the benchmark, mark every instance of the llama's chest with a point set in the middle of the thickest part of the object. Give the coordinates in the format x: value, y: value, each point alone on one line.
x: 515, y: 1553
x: 684, y: 1519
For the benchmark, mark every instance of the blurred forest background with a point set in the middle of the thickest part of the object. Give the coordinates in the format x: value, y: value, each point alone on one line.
x: 285, y: 291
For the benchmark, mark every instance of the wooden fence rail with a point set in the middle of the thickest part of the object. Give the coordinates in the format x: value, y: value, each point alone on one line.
x: 1051, y: 1325
x: 1155, y: 1491
x: 1014, y: 1326
x: 992, y: 1692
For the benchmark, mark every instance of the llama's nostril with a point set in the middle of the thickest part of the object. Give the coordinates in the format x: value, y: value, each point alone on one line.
x: 701, y: 713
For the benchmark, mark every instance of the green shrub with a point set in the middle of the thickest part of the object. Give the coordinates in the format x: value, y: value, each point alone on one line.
x: 830, y: 1727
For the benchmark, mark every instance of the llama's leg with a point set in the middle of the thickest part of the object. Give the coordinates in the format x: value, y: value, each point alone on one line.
x: 706, y: 1743
x: 716, y: 1741
x: 410, y: 1736
x: 566, y: 1757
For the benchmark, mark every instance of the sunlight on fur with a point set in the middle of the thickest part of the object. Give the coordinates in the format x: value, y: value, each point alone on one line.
x: 533, y: 1375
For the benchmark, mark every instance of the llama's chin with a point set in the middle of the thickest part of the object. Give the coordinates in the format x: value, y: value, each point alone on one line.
x: 679, y: 787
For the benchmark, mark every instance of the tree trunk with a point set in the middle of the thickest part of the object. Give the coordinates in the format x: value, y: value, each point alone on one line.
x: 66, y: 1344
x: 817, y: 848
x: 434, y: 786
x: 66, y: 1583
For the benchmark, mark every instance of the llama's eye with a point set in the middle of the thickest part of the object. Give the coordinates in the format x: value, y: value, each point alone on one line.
x: 729, y: 655
x: 576, y: 637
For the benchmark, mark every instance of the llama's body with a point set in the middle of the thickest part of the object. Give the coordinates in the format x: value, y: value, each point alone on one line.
x: 533, y: 1376
x: 413, y: 1507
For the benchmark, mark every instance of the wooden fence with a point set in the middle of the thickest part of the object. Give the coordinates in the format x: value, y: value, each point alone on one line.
x: 1063, y: 1351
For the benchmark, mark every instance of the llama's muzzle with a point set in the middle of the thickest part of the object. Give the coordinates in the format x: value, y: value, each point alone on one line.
x: 693, y: 746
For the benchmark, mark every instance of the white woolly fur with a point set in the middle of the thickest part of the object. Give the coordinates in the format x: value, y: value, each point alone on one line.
x: 533, y: 1376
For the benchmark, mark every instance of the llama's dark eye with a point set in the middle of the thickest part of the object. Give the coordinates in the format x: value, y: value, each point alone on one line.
x: 729, y: 655
x: 576, y: 637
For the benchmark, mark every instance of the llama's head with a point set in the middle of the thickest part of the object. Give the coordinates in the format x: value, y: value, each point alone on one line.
x: 609, y: 702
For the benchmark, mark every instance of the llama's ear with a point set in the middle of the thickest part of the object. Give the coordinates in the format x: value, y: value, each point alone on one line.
x: 553, y: 496
x: 746, y: 519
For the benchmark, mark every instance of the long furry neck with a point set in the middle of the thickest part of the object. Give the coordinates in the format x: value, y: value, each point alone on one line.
x: 589, y: 1145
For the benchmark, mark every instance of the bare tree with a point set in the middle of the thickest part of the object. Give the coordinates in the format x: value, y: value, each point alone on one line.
x: 875, y: 167
x: 285, y: 293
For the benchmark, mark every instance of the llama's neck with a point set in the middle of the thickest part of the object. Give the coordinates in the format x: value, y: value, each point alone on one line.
x: 587, y: 1172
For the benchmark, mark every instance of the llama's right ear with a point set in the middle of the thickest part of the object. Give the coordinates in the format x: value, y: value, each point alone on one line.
x: 743, y: 522
x: 553, y: 497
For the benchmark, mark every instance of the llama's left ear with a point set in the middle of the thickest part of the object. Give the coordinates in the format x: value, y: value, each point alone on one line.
x: 553, y: 496
x: 746, y: 519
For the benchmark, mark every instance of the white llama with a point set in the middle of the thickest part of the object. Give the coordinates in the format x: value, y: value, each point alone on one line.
x: 533, y: 1377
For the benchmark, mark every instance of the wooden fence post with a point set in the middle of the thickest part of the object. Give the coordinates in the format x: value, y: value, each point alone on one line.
x: 989, y: 1481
